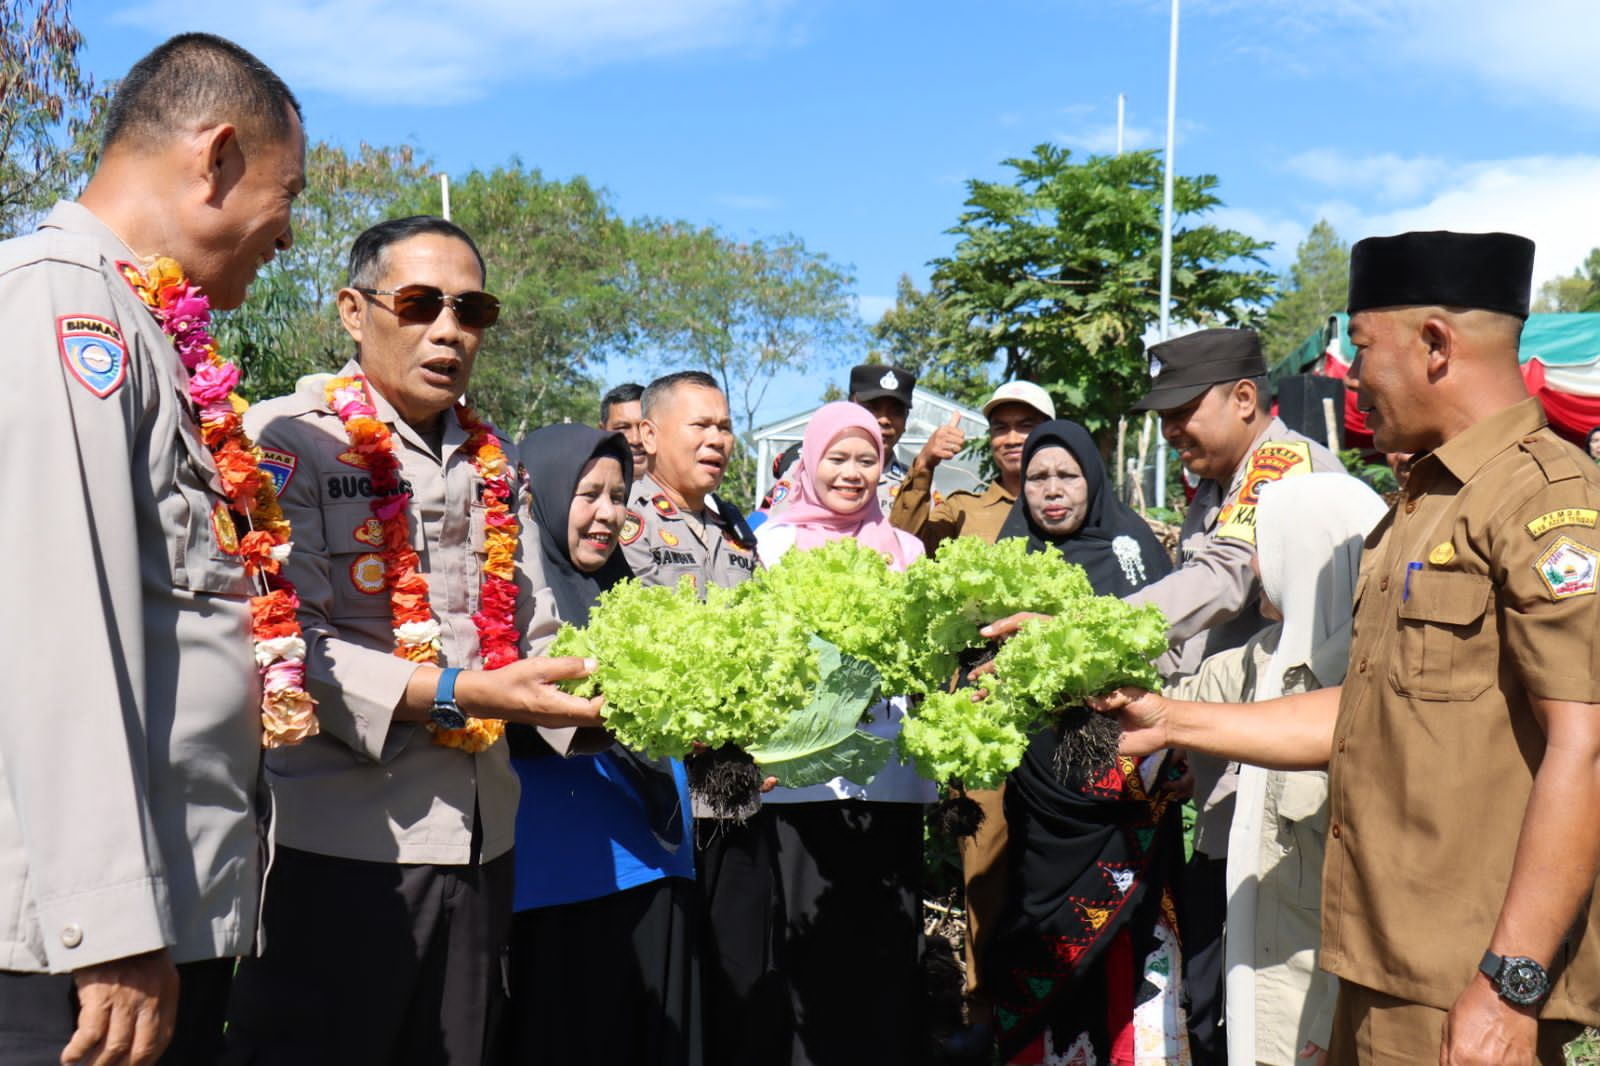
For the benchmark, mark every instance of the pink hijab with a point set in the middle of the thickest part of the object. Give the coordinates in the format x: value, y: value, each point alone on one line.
x: 816, y: 524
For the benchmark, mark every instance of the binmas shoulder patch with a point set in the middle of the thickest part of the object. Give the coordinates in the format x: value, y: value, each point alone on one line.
x: 1273, y: 461
x: 93, y: 351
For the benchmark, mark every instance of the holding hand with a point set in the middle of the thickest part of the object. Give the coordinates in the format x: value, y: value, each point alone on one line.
x: 1142, y: 715
x: 525, y: 692
x: 946, y: 443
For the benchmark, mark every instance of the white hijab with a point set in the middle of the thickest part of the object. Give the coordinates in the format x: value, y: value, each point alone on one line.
x: 1309, y: 532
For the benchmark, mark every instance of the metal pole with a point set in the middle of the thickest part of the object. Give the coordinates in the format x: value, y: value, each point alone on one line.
x: 1122, y: 113
x: 444, y: 195
x: 1166, y: 233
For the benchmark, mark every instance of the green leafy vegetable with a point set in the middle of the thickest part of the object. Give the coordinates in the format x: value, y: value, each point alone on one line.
x: 1091, y: 647
x: 825, y: 740
x: 950, y: 737
x: 677, y: 671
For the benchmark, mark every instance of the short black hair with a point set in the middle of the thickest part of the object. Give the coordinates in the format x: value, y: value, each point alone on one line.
x: 199, y: 79
x: 367, y: 254
x: 659, y: 389
x: 625, y: 393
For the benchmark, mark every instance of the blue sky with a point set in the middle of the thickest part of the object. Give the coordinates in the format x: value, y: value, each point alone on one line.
x: 855, y: 125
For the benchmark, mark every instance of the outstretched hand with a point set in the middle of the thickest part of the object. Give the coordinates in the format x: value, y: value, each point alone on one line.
x: 1142, y: 715
x: 527, y: 693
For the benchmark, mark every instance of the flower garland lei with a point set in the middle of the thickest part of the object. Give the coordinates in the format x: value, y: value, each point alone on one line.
x: 288, y: 713
x: 416, y: 630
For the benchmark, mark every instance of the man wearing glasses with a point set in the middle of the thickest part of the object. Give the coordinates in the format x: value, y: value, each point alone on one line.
x: 389, y: 894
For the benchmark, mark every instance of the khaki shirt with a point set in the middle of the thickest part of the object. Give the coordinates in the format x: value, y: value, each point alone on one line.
x: 663, y: 546
x: 130, y: 739
x: 369, y: 787
x: 1476, y: 594
x: 919, y: 510
x: 1214, y: 588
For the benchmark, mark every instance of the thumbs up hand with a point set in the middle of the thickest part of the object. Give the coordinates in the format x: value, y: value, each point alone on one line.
x: 946, y: 442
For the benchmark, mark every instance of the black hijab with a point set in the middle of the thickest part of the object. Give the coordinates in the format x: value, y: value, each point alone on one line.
x: 1115, y: 547
x: 554, y: 458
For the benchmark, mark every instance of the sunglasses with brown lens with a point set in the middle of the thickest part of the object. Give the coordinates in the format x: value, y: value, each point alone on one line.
x: 421, y: 304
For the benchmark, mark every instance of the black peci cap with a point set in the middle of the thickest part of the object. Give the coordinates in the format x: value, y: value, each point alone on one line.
x: 1485, y: 271
x: 1184, y: 367
x: 874, y: 382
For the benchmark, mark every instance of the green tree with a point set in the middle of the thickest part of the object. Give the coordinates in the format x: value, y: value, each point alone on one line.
x: 50, y: 111
x: 1316, y: 284
x: 290, y: 326
x: 743, y: 312
x: 1578, y: 291
x: 1055, y: 276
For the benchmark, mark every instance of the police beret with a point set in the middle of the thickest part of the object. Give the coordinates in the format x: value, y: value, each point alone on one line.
x: 1486, y: 271
x: 1184, y: 367
x: 874, y: 382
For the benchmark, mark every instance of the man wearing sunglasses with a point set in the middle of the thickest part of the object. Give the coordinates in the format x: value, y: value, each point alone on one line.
x: 389, y: 897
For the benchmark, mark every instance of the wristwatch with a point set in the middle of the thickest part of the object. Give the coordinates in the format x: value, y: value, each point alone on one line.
x: 1518, y: 979
x: 446, y: 713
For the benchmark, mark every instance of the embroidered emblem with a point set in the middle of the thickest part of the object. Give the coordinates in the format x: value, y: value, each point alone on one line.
x: 1568, y: 568
x: 222, y: 525
x: 1273, y: 461
x: 370, y: 533
x: 93, y: 351
x: 1155, y: 368
x: 366, y: 573
x: 351, y: 457
x: 1126, y: 549
x: 1123, y: 879
x: 889, y: 381
x: 1567, y: 516
x: 279, y: 465
x: 1443, y: 554
x: 664, y: 507
x: 668, y: 538
x: 780, y: 492
x: 632, y: 526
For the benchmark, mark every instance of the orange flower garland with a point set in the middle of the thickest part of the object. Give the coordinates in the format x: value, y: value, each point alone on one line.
x: 416, y: 630
x: 288, y: 713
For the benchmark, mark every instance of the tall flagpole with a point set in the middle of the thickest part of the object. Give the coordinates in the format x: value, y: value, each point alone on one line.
x: 1166, y: 232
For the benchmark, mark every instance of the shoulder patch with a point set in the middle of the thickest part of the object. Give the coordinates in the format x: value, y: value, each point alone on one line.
x: 664, y: 507
x: 780, y: 492
x: 279, y: 466
x: 1568, y: 516
x: 93, y: 351
x: 1568, y: 568
x: 1273, y: 461
x: 632, y: 526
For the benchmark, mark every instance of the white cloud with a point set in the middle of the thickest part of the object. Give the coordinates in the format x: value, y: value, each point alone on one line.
x: 1550, y: 199
x: 1395, y: 178
x: 1284, y: 233
x: 1102, y: 140
x: 871, y: 308
x: 409, y: 51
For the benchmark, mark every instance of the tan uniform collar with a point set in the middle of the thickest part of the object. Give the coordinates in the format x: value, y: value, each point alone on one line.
x: 652, y: 488
x: 996, y: 495
x: 73, y: 217
x: 1466, y: 453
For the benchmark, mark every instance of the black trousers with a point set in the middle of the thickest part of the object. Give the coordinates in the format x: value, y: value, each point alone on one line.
x: 1202, y: 911
x: 374, y: 963
x: 39, y: 1012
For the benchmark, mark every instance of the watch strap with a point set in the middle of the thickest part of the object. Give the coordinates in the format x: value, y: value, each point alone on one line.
x: 444, y: 694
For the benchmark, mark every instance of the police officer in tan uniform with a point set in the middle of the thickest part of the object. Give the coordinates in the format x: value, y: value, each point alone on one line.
x: 131, y: 736
x: 389, y: 844
x: 1464, y: 747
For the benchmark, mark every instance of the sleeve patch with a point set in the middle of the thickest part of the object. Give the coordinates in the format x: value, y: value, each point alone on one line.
x: 1273, y: 461
x: 1568, y: 568
x: 632, y: 526
x: 279, y: 465
x: 1583, y: 517
x: 94, y: 352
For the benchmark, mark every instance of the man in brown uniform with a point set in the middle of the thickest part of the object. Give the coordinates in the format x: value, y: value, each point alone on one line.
x: 1464, y: 747
x: 131, y: 730
x: 389, y: 899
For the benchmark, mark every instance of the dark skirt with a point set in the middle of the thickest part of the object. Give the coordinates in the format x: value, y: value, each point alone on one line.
x: 816, y: 927
x: 607, y: 981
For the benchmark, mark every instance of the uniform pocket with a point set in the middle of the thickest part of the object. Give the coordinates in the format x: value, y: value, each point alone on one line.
x: 355, y: 558
x: 1438, y: 655
x: 204, y: 545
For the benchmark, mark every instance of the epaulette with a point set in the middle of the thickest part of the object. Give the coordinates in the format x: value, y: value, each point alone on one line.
x: 1556, y: 458
x: 734, y: 520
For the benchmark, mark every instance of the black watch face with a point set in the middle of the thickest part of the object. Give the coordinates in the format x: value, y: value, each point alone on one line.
x: 448, y: 716
x: 1523, y: 982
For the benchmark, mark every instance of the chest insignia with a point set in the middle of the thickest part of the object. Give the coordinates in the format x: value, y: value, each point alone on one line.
x: 370, y: 533
x: 93, y: 351
x: 1568, y: 568
x: 279, y: 466
x: 669, y: 538
x: 351, y: 457
x: 632, y: 526
x: 222, y: 525
x: 366, y: 573
x: 1582, y: 517
x: 664, y: 507
x: 1442, y: 554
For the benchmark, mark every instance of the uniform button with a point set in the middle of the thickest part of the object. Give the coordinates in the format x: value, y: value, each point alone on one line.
x: 1333, y: 830
x: 1411, y: 506
x: 71, y: 935
x: 1383, y: 586
x: 1341, y: 747
x: 1363, y: 667
x: 1529, y: 440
